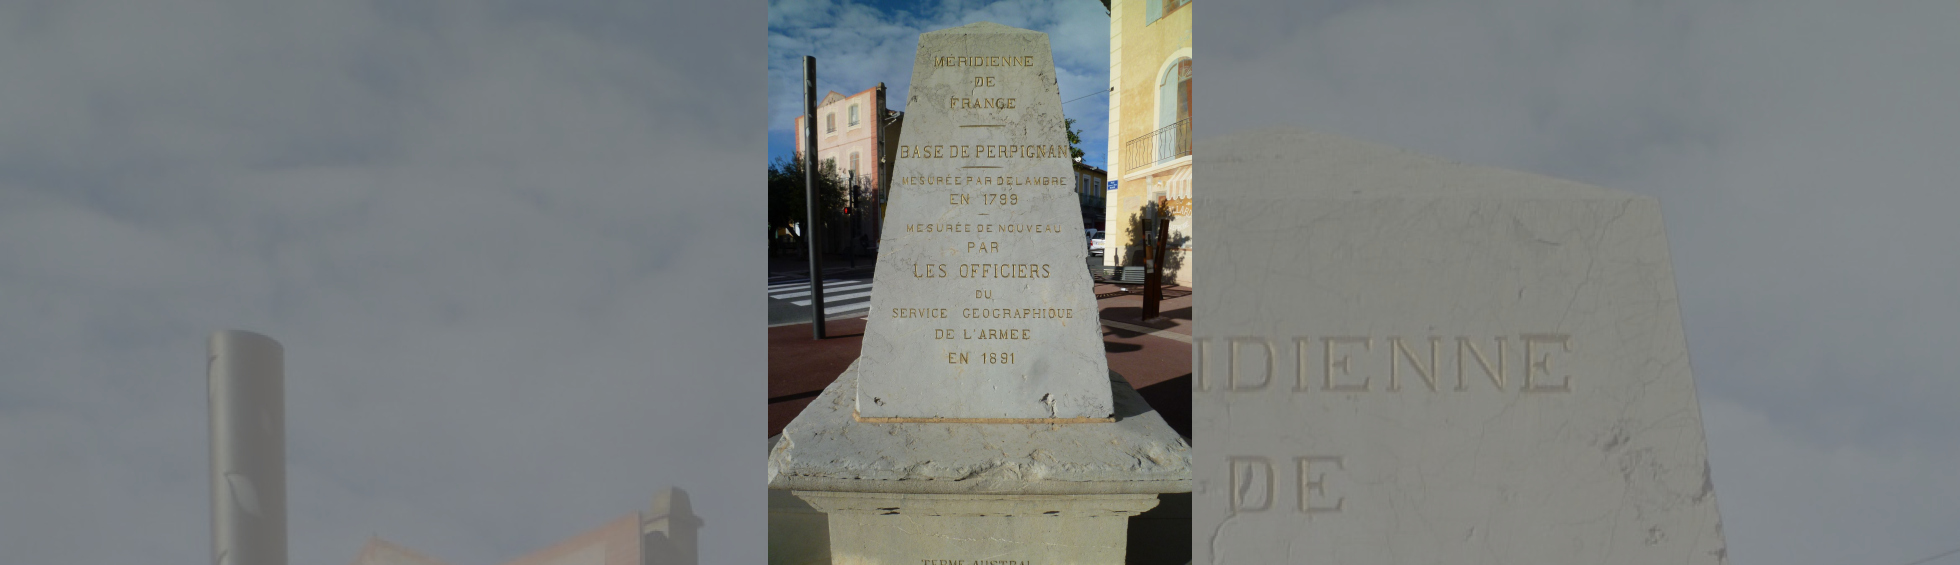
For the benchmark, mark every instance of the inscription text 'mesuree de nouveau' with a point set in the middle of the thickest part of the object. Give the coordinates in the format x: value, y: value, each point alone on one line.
x: 982, y: 324
x: 1397, y: 359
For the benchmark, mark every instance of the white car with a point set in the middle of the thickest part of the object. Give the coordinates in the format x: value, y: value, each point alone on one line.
x: 1096, y: 242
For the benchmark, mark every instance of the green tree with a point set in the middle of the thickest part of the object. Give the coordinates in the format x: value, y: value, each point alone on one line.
x: 1134, y: 248
x: 1074, y: 138
x: 786, y: 193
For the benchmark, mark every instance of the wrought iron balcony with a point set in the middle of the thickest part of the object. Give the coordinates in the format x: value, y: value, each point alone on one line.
x: 1168, y: 143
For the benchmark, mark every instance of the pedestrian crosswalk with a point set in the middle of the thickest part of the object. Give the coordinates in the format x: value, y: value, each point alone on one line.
x: 840, y: 296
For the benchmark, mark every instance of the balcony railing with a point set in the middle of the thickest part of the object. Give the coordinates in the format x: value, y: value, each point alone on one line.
x: 1171, y: 142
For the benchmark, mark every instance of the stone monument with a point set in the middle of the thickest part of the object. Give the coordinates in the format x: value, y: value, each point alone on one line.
x: 1431, y: 362
x: 980, y: 424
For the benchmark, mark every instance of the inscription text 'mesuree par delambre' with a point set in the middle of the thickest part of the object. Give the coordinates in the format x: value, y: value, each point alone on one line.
x: 975, y: 277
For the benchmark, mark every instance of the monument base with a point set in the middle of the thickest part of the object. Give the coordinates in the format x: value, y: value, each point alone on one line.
x: 1011, y: 493
x: 977, y: 529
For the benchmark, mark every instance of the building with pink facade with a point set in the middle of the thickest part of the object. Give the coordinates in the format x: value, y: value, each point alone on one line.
x: 858, y: 134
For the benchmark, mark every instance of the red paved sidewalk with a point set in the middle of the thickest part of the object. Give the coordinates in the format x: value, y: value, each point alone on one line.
x: 1157, y: 362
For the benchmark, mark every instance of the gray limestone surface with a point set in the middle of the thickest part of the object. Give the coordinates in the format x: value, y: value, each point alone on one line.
x: 984, y: 310
x: 971, y: 529
x: 825, y: 449
x: 1408, y: 360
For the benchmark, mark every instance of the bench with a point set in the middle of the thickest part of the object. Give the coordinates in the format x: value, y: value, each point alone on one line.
x: 1118, y: 275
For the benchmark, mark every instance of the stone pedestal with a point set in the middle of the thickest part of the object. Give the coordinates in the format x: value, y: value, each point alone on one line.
x: 980, y: 424
x: 977, y: 529
x: 913, y: 493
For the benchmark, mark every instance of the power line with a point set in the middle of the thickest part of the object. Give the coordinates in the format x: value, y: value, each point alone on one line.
x: 1930, y: 559
x: 1111, y: 89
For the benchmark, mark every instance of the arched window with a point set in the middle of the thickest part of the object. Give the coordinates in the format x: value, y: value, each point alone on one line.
x: 1156, y: 9
x: 1174, y: 110
x: 830, y: 123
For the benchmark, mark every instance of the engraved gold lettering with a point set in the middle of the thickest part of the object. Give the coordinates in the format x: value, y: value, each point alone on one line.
x: 1534, y: 366
x: 1300, y: 378
x: 928, y: 271
x: 1317, y: 485
x: 1242, y: 482
x: 1496, y: 376
x: 1344, y: 362
x: 1232, y: 364
x: 1428, y: 374
x: 1203, y: 376
x: 1338, y: 373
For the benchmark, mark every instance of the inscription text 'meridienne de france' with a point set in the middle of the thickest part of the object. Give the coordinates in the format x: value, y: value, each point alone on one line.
x: 1365, y: 364
x: 984, y: 309
x: 982, y: 238
x: 1361, y: 363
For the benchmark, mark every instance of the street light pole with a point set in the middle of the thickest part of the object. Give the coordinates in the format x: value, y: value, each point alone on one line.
x: 1153, y: 250
x: 850, y: 216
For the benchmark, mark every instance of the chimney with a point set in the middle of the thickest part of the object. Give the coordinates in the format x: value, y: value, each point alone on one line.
x: 246, y: 375
x: 668, y: 533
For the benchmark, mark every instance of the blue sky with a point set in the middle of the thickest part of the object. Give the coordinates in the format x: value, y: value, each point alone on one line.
x: 858, y: 45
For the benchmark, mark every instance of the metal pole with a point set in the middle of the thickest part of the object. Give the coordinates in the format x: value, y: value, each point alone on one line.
x: 1153, y: 292
x: 881, y: 184
x: 850, y: 247
x: 246, y: 375
x: 810, y: 193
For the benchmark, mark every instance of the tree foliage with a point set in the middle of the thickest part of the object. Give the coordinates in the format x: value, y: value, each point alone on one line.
x: 1134, y: 248
x: 786, y: 192
x: 1074, y: 138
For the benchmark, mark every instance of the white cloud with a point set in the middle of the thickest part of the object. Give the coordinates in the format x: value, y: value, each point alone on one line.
x: 857, y: 46
x: 477, y: 229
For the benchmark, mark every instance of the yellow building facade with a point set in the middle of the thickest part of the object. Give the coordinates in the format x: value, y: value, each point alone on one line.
x: 1150, y: 127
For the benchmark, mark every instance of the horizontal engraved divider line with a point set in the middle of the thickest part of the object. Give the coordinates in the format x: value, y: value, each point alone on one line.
x: 981, y: 167
x: 938, y: 420
x: 984, y: 126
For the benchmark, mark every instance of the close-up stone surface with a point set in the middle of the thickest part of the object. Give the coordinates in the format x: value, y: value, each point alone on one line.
x: 967, y: 529
x: 1408, y: 360
x: 984, y: 309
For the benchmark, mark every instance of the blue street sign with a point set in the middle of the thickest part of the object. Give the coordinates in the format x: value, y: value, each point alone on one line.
x: 1112, y: 185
